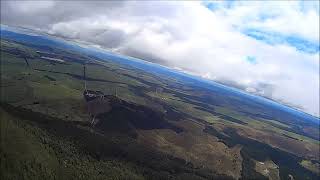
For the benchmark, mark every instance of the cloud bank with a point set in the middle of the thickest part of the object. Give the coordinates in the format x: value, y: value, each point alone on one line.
x: 267, y: 48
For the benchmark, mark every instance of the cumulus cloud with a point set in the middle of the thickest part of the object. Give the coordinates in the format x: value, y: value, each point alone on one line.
x: 210, y: 39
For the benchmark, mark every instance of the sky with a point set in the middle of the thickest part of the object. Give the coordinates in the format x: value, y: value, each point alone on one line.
x: 269, y: 48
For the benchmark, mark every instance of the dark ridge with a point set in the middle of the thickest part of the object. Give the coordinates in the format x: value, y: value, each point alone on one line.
x: 288, y: 163
x: 126, y: 116
x: 259, y: 116
x: 211, y: 110
x: 173, y: 114
x: 225, y: 117
x: 151, y: 163
x: 50, y: 78
x: 290, y: 137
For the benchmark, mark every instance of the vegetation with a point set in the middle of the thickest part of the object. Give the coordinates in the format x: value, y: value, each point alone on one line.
x: 166, y: 127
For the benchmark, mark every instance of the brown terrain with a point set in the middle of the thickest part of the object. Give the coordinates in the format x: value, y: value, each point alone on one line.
x: 196, y: 147
x: 300, y: 148
x: 268, y: 168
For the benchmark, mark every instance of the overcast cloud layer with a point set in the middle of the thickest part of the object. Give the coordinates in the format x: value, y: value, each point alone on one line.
x: 267, y: 48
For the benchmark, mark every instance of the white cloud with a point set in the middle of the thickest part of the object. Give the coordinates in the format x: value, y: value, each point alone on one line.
x: 189, y: 36
x: 295, y: 18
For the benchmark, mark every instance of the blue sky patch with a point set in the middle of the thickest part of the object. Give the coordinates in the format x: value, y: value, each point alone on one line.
x: 276, y: 38
x: 214, y: 5
x: 269, y: 37
x: 251, y: 59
